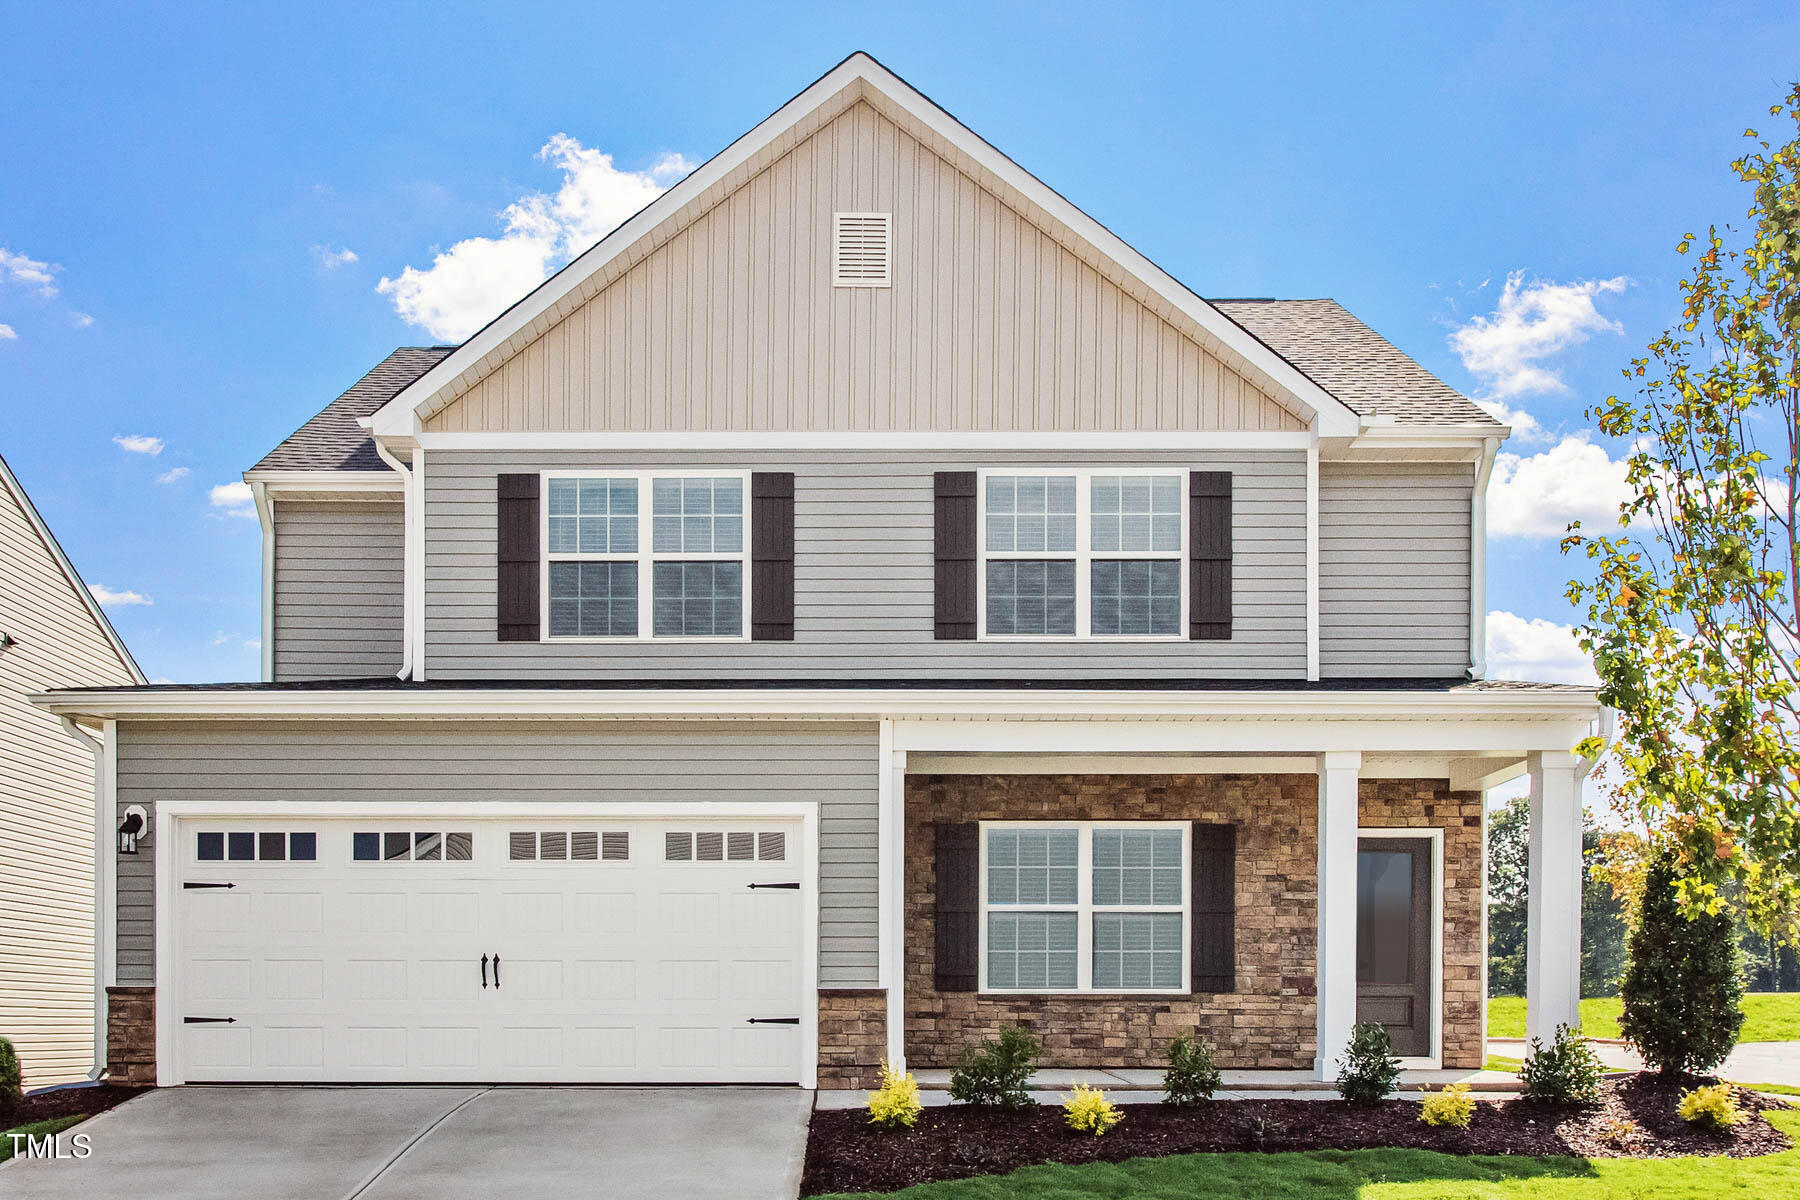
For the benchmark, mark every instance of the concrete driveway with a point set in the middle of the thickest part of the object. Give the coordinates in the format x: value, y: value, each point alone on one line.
x: 442, y: 1143
x: 1750, y: 1062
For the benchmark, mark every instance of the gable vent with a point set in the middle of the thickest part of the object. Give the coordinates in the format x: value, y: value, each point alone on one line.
x: 862, y: 247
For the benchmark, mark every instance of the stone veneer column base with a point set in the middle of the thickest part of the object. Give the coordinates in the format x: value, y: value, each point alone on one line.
x: 131, y: 1036
x: 852, y: 1037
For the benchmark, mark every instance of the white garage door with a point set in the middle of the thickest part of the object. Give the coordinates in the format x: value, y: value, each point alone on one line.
x: 479, y: 950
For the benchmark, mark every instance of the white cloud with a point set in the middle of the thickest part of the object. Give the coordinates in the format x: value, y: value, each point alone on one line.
x: 17, y: 268
x: 1525, y: 427
x: 173, y: 475
x: 220, y: 637
x: 138, y: 443
x: 8, y: 334
x: 330, y: 260
x: 233, y: 499
x: 253, y: 643
x: 112, y: 599
x: 472, y: 281
x: 81, y: 320
x: 1506, y: 350
x: 1537, y: 497
x: 1536, y: 649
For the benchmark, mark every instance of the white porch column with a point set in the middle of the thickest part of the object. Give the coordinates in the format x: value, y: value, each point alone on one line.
x: 1336, y: 976
x: 1553, y: 909
x: 891, y: 843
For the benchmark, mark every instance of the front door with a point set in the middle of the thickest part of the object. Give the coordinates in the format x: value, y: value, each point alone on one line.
x: 1393, y: 939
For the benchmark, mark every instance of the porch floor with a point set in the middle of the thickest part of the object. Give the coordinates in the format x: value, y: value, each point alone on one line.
x: 1145, y: 1087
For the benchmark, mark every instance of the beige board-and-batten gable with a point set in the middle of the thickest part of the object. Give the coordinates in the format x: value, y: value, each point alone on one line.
x: 728, y: 318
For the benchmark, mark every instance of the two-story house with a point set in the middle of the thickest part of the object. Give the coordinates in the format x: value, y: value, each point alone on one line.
x: 859, y: 604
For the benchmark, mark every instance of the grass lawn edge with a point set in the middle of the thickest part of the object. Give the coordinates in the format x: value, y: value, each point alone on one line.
x: 37, y: 1129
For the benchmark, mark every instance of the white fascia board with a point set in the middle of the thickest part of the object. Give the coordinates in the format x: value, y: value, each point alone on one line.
x: 1221, y: 708
x: 1459, y: 442
x: 402, y: 416
x: 296, y: 482
x: 870, y: 440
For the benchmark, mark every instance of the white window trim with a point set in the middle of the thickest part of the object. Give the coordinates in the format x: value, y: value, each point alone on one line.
x: 1083, y: 555
x: 645, y: 556
x: 1084, y: 908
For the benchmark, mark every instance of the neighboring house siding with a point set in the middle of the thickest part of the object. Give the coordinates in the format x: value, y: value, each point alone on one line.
x: 732, y: 322
x: 834, y: 766
x: 46, y: 808
x: 338, y: 581
x: 863, y: 591
x: 1394, y: 569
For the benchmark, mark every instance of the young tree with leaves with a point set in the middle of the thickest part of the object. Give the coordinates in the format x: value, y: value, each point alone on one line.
x: 1691, y: 616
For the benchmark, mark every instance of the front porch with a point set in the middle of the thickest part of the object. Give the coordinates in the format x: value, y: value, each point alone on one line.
x: 1308, y: 801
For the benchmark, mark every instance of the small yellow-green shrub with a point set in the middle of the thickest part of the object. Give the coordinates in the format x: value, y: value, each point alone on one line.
x: 895, y: 1104
x: 1712, y: 1107
x: 1087, y: 1110
x: 1449, y: 1106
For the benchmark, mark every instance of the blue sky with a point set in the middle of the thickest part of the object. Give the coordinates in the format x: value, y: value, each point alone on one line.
x: 179, y: 186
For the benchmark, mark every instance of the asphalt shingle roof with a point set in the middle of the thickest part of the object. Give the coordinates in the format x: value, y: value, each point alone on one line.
x: 1354, y: 363
x: 332, y: 440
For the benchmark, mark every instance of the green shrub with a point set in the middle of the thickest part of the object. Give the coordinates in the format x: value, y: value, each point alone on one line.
x: 12, y: 1094
x: 1448, y: 1106
x: 1367, y: 1072
x: 1192, y: 1077
x: 1682, y: 992
x: 996, y: 1073
x: 1567, y: 1071
x: 1713, y: 1108
x: 895, y: 1104
x: 1087, y: 1110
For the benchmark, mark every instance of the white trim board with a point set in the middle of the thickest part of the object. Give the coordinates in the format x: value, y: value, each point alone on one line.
x: 863, y: 440
x: 857, y: 77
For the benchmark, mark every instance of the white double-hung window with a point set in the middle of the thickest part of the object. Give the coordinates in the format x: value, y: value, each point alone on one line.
x: 1085, y: 907
x: 645, y: 555
x: 1083, y: 554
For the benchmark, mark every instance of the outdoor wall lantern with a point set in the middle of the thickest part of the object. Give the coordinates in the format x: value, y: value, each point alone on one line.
x: 132, y: 828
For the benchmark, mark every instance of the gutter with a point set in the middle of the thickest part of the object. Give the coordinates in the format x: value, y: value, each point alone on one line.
x: 265, y: 514
x: 105, y: 866
x: 1478, y: 560
x: 409, y: 576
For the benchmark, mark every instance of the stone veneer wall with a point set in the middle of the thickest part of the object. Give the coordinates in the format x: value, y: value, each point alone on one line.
x: 852, y: 1037
x: 131, y: 1036
x: 1269, y: 1020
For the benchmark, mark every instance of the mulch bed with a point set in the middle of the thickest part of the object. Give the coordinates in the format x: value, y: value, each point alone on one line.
x: 69, y: 1102
x: 846, y: 1154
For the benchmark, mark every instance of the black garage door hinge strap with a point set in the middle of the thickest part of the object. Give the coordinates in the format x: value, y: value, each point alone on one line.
x: 191, y: 886
x: 209, y: 1020
x: 789, y: 886
x: 774, y: 1020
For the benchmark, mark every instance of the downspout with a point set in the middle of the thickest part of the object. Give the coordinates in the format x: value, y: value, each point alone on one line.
x: 104, y: 867
x: 265, y: 514
x: 1484, y: 467
x: 409, y: 580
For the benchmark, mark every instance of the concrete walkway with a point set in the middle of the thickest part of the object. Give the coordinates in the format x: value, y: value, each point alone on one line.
x: 432, y: 1143
x: 1750, y: 1062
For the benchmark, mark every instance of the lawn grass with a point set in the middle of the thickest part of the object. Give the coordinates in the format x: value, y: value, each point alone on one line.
x: 1388, y: 1175
x: 1768, y: 1017
x: 37, y: 1129
x: 1499, y: 1062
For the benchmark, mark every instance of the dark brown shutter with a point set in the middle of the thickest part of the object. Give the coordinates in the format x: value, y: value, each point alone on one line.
x: 954, y: 525
x: 1214, y: 915
x: 517, y: 546
x: 1209, y: 555
x: 958, y: 906
x: 772, y: 556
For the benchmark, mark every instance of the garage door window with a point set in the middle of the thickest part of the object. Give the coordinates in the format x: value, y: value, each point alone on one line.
x: 724, y: 846
x: 258, y: 846
x: 568, y: 845
x: 397, y: 846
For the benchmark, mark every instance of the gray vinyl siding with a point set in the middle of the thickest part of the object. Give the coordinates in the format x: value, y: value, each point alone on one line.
x: 1394, y: 569
x: 863, y: 576
x: 831, y: 765
x: 338, y: 588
